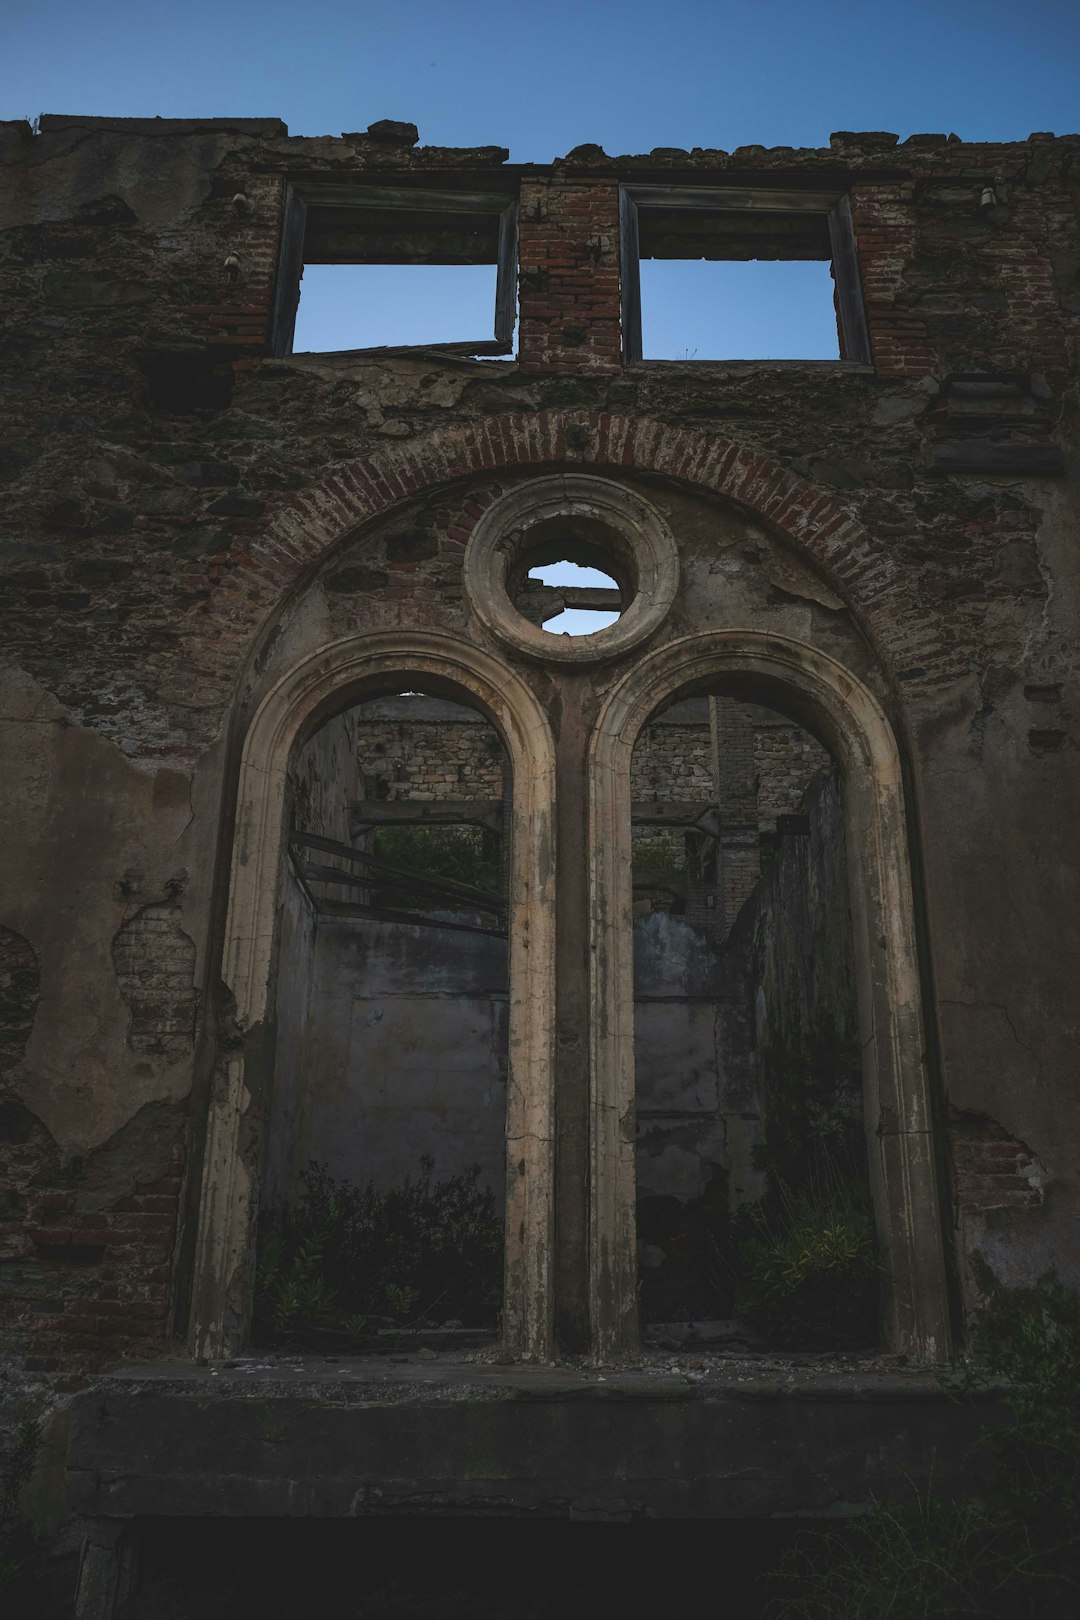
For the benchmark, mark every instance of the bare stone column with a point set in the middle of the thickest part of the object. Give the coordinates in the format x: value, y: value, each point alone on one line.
x: 574, y: 727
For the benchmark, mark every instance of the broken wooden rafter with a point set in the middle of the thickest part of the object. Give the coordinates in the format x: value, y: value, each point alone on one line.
x: 486, y: 813
x: 427, y: 888
x: 673, y: 813
x: 447, y: 887
x: 414, y: 919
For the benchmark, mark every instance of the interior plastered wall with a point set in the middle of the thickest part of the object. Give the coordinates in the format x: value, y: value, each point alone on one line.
x: 402, y: 1055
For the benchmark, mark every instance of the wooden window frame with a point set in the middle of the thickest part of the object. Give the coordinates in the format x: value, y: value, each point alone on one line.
x: 831, y: 207
x: 301, y: 196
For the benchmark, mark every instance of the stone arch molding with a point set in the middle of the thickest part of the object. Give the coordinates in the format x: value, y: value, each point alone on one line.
x: 895, y: 1082
x: 878, y: 591
x: 291, y: 711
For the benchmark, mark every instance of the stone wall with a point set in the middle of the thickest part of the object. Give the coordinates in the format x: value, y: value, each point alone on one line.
x: 673, y: 760
x: 756, y: 771
x: 426, y: 749
x: 413, y: 748
x: 187, y: 514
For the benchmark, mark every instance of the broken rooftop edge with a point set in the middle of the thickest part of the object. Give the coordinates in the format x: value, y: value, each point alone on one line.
x: 403, y: 135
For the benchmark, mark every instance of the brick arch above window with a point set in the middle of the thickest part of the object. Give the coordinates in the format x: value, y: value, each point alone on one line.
x: 298, y: 535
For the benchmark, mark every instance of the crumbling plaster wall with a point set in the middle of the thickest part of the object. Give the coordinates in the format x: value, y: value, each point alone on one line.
x: 153, y: 440
x: 698, y: 1101
x: 109, y: 890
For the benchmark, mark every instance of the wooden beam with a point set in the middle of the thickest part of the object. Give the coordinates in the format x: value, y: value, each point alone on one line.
x: 366, y: 813
x: 701, y: 817
x: 386, y: 877
x: 463, y: 891
x: 347, y: 908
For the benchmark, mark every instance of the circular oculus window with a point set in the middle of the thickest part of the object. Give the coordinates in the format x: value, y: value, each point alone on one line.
x: 571, y: 568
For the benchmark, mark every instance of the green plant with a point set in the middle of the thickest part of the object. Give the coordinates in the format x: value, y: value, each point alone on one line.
x: 347, y: 1258
x: 806, y: 1264
x: 401, y: 1301
x: 1012, y: 1552
x: 1030, y: 1338
x: 461, y: 854
x: 291, y: 1282
x: 917, y: 1562
x: 658, y: 856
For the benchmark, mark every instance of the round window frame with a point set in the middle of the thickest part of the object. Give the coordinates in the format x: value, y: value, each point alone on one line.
x: 643, y: 548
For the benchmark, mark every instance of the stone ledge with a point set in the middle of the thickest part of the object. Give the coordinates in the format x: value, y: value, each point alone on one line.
x: 50, y: 123
x: 311, y: 1439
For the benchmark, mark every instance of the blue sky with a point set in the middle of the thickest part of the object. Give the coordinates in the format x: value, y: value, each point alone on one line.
x: 542, y: 77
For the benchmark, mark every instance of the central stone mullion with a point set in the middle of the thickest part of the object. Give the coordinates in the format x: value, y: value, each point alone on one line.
x: 572, y: 723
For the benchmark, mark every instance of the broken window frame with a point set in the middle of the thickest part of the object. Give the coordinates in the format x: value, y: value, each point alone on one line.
x: 307, y: 203
x: 794, y: 212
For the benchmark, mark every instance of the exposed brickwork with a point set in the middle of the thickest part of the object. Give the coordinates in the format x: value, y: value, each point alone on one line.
x: 168, y: 500
x: 20, y: 988
x: 991, y: 1169
x: 569, y: 252
x: 673, y: 760
x: 82, y: 1285
x: 885, y: 233
x: 921, y: 318
x: 761, y: 768
x: 155, y: 964
x: 875, y: 586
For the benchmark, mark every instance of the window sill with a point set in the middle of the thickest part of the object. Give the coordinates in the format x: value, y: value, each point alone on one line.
x: 454, y: 354
x: 848, y: 367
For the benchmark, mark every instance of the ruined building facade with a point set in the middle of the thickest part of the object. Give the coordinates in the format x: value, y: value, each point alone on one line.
x: 846, y: 597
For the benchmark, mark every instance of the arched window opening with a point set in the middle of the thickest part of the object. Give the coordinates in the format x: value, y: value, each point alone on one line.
x: 755, y: 1223
x: 383, y: 1191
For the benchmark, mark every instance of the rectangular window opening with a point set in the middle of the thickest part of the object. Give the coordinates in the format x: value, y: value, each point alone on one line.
x: 757, y: 310
x: 739, y: 275
x: 381, y: 268
x: 369, y: 306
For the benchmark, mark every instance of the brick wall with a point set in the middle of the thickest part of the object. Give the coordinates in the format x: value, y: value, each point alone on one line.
x: 569, y: 257
x: 86, y: 1272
